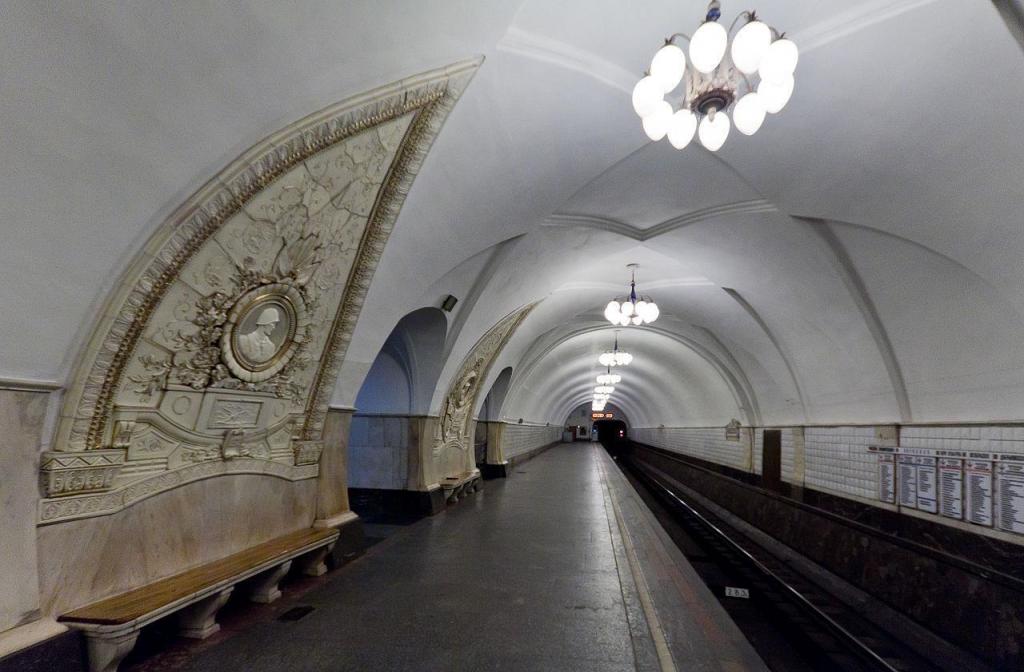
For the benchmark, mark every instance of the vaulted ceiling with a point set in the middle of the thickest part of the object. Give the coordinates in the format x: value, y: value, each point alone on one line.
x: 856, y: 260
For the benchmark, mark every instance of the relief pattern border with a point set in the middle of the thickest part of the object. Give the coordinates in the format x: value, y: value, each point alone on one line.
x: 86, y: 506
x: 390, y: 197
x: 90, y: 400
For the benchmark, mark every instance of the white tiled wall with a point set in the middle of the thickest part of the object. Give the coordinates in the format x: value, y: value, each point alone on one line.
x: 706, y: 443
x: 378, y: 453
x: 988, y: 438
x: 519, y: 439
x: 836, y: 459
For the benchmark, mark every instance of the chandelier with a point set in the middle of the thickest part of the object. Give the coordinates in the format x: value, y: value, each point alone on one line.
x: 608, y: 378
x: 712, y: 83
x: 632, y: 309
x: 615, y: 357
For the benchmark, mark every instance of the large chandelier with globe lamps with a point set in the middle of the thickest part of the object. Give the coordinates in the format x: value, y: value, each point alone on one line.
x: 634, y: 309
x: 615, y: 357
x: 749, y: 78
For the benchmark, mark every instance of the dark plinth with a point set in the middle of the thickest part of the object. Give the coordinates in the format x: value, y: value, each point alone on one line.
x: 378, y: 505
x: 63, y: 653
x: 350, y: 545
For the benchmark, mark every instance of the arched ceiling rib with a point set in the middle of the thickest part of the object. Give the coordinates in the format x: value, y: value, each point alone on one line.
x: 544, y: 147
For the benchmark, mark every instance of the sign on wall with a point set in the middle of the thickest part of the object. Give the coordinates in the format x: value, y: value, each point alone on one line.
x: 908, y: 481
x: 1011, y: 496
x: 951, y: 487
x: 984, y: 489
x: 887, y: 478
x: 978, y: 491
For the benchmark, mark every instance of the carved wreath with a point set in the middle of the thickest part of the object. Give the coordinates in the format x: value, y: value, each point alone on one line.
x: 214, y: 357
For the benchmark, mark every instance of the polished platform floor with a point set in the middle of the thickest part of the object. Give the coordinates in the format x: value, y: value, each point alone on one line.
x: 559, y: 567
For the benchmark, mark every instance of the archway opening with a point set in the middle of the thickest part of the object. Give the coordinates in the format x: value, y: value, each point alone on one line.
x: 490, y: 411
x: 397, y: 389
x: 581, y: 424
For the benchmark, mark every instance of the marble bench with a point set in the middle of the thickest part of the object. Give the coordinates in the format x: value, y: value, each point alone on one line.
x: 111, y: 626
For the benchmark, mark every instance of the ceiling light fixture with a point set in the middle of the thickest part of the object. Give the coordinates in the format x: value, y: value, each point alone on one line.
x: 615, y: 357
x: 632, y: 310
x: 712, y: 82
x: 608, y: 378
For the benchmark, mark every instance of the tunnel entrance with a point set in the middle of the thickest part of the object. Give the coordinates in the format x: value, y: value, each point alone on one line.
x: 613, y: 435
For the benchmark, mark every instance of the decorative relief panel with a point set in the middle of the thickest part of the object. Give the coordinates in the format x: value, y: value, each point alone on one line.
x: 454, y: 429
x: 226, y: 334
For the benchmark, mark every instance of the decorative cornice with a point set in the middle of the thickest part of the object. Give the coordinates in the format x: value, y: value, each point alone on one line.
x: 26, y: 385
x: 90, y: 400
x: 660, y: 229
x: 85, y: 506
x: 390, y: 198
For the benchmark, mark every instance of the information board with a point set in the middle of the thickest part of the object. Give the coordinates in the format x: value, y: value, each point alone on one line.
x: 978, y: 491
x: 951, y: 488
x: 926, y: 486
x: 908, y: 481
x: 887, y: 478
x: 1010, y: 486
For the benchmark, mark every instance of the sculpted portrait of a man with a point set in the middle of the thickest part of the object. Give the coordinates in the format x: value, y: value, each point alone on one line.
x: 257, y: 346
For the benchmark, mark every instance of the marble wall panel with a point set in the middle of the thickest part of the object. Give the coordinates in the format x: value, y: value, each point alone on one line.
x: 21, y: 423
x: 379, y: 452
x: 85, y: 560
x: 332, y: 484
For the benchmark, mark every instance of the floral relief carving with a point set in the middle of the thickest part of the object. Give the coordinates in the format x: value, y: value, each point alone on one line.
x: 250, y: 291
x: 453, y: 429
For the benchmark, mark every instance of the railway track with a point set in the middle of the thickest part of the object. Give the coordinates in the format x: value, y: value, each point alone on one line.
x: 827, y: 633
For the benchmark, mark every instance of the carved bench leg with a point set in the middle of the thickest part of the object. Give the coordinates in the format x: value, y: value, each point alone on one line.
x: 263, y: 588
x: 107, y: 651
x: 313, y: 563
x: 198, y: 621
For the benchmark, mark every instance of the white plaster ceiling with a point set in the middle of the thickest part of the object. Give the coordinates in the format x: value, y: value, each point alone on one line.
x: 870, y: 234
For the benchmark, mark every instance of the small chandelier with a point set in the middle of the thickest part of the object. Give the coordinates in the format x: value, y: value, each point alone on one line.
x: 712, y: 85
x: 608, y: 378
x: 632, y: 309
x: 604, y: 389
x: 615, y: 357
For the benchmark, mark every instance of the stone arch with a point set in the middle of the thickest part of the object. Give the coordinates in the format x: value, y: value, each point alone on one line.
x: 280, y: 248
x: 398, y: 387
x: 490, y: 408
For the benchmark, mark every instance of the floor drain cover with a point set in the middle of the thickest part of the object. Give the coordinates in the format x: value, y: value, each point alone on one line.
x: 295, y: 613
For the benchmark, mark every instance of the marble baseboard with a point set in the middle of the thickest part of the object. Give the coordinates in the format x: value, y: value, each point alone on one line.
x: 350, y: 545
x: 492, y: 471
x: 504, y: 470
x: 525, y: 456
x: 376, y: 504
x: 63, y: 652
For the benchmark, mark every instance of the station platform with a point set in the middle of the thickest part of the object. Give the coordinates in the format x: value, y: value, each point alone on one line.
x: 559, y: 567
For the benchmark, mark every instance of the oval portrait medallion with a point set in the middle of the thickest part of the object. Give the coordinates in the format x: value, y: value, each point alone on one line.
x: 263, y: 330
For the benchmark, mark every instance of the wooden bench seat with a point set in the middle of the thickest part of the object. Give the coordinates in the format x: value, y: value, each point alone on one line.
x: 112, y: 625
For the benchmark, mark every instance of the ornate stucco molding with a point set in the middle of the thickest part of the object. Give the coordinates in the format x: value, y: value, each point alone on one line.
x: 60, y: 509
x: 454, y: 428
x: 225, y: 335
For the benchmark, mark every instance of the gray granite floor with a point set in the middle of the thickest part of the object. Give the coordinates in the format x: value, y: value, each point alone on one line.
x: 521, y: 576
x: 547, y: 570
